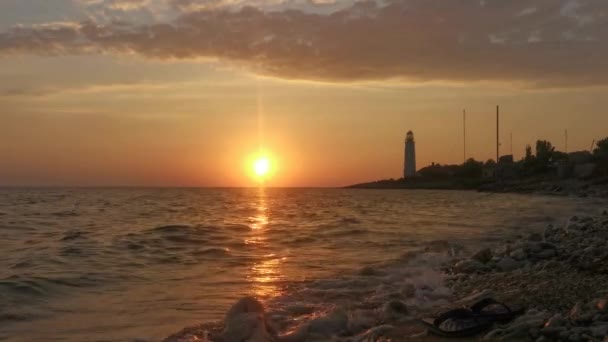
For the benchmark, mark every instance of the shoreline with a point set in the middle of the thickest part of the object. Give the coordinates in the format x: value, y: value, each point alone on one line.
x: 595, y: 188
x: 558, y: 274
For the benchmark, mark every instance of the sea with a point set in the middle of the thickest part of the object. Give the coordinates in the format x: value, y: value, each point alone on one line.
x: 141, y: 264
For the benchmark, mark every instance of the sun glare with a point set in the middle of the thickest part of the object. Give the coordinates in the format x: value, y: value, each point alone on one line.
x: 261, y: 167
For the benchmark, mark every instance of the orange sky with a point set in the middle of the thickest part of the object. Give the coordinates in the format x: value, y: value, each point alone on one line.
x: 77, y: 108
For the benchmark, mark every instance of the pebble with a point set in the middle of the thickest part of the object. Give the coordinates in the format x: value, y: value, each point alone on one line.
x: 519, y: 254
x: 507, y: 264
x: 469, y: 266
x: 483, y: 256
x: 545, y: 254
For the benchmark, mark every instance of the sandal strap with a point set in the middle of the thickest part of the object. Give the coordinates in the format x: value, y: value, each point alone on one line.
x: 453, y: 314
x: 479, y: 306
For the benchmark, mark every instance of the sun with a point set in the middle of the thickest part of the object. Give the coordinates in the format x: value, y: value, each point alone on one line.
x: 261, y: 166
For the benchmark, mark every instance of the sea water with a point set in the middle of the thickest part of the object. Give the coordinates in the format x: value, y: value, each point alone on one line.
x: 141, y: 264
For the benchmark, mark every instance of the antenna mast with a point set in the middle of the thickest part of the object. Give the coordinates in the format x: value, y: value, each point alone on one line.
x: 464, y: 127
x: 497, y: 133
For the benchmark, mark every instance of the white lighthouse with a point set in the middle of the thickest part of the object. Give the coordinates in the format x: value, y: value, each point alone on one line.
x: 409, y: 168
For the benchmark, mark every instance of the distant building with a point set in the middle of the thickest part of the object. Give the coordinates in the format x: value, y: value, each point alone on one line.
x: 409, y: 169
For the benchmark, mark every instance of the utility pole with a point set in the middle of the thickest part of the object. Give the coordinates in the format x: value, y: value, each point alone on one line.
x: 566, y: 141
x: 511, y: 143
x: 497, y: 133
x: 464, y: 127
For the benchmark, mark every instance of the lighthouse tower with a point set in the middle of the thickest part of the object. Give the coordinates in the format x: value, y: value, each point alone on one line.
x: 409, y: 169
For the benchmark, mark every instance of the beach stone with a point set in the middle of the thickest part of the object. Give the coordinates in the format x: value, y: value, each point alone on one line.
x: 507, y: 264
x: 549, y: 232
x: 408, y: 290
x: 545, y: 254
x: 246, y: 322
x: 547, y: 245
x: 535, y: 237
x: 519, y: 254
x: 484, y: 255
x: 395, y: 310
x: 574, y: 219
x: 553, y: 332
x: 556, y: 321
x: 469, y: 266
x: 361, y: 320
x: 599, y: 331
x: 532, y: 247
x: 501, y: 251
x: 581, y: 314
x: 551, y: 264
x: 334, y: 324
x: 601, y: 305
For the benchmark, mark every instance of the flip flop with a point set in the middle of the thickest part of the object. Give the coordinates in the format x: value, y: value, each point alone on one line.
x: 457, y: 323
x: 496, y: 311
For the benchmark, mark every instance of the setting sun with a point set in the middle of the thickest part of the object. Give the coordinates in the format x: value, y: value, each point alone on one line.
x: 261, y: 166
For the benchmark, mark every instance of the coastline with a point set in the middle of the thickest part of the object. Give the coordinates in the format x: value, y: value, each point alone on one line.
x: 558, y: 274
x: 597, y: 188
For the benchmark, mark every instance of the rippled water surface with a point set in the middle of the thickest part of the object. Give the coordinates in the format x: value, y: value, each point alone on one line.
x: 127, y: 264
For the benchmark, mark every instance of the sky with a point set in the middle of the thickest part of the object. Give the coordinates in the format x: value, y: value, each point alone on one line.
x: 187, y: 92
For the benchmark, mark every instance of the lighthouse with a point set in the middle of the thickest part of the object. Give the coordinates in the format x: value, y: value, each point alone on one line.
x: 409, y: 168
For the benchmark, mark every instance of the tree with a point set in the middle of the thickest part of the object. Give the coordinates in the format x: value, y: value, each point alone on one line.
x: 470, y: 169
x: 544, y: 155
x: 529, y: 157
x: 601, y: 151
x: 601, y: 156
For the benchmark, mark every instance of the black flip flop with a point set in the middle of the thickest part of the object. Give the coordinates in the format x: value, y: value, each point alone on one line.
x: 457, y: 323
x: 496, y: 311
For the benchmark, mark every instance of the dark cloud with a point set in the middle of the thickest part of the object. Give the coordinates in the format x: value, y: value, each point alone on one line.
x: 539, y: 42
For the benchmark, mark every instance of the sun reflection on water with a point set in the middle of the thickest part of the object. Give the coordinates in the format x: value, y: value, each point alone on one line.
x: 264, y: 274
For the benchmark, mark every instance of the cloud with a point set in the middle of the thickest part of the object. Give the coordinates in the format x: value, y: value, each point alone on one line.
x: 120, y: 5
x: 560, y: 43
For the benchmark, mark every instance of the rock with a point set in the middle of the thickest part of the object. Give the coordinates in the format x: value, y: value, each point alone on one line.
x: 519, y: 254
x: 574, y: 218
x: 581, y: 314
x: 395, y: 310
x: 556, y: 321
x: 599, y: 331
x: 483, y: 256
x: 549, y: 232
x: 553, y: 332
x: 361, y: 320
x: 469, y: 266
x: 601, y: 305
x: 408, y: 290
x: 532, y: 247
x: 605, y: 213
x: 547, y: 245
x: 551, y: 264
x: 246, y: 322
x: 333, y: 324
x: 545, y: 254
x: 507, y: 264
x: 535, y: 237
